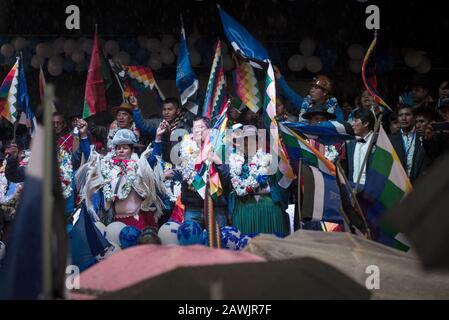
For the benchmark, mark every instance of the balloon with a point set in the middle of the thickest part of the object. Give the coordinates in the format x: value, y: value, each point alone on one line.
x: 314, y: 64
x: 230, y: 237
x: 81, y: 67
x: 87, y: 45
x: 195, y: 58
x: 122, y: 58
x: 7, y: 50
x: 37, y: 61
x: 55, y: 60
x: 58, y: 45
x: 44, y: 50
x: 355, y: 66
x: 168, y: 233
x: 69, y: 46
x: 168, y: 40
x: 142, y: 41
x: 113, y: 231
x: 54, y: 70
x: 129, y: 236
x: 111, y: 47
x: 307, y: 46
x: 78, y: 56
x: 296, y: 63
x: 100, y: 226
x: 228, y: 63
x: 154, y: 45
x: 355, y: 51
x: 413, y: 58
x: 424, y: 66
x: 19, y: 43
x: 167, y: 56
x: 155, y: 61
x: 190, y: 232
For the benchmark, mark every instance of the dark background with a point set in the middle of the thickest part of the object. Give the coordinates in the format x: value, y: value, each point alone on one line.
x: 279, y: 24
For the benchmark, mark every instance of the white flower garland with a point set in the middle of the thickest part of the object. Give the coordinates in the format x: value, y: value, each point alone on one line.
x: 108, y: 167
x: 188, y: 155
x: 331, y: 153
x: 65, y: 172
x: 258, y: 166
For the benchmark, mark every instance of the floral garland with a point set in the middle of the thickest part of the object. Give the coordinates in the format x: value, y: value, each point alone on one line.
x: 188, y: 154
x: 331, y: 153
x: 110, y: 166
x: 249, y: 178
x: 65, y: 172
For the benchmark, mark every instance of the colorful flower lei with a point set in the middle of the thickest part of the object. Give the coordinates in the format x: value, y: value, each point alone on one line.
x: 249, y: 178
x: 188, y: 155
x: 65, y: 172
x: 108, y: 165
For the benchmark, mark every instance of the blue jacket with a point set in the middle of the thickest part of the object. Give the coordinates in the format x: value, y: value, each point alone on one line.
x: 304, y: 103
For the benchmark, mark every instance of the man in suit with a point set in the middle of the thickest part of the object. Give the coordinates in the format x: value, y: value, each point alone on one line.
x: 408, y: 144
x: 363, y: 125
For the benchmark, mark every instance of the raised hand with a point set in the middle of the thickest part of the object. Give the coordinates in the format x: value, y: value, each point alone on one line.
x: 133, y: 102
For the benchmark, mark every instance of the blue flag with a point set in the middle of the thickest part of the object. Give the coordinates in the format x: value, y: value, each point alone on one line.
x: 327, y: 132
x: 86, y: 241
x: 241, y: 40
x: 23, y: 103
x: 21, y: 272
x: 186, y: 80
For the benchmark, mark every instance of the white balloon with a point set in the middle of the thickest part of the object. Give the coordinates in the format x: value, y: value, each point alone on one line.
x: 167, y: 56
x: 37, y: 61
x: 296, y: 63
x: 113, y: 231
x: 355, y: 66
x: 69, y: 46
x: 154, y: 45
x: 307, y: 46
x: 87, y: 45
x: 168, y: 40
x: 54, y: 70
x: 314, y: 64
x: 7, y: 50
x: 112, y: 47
x: 122, y: 58
x: 44, y: 50
x: 78, y: 56
x: 155, y: 61
x: 195, y: 58
x: 424, y: 66
x: 168, y: 233
x: 413, y: 58
x: 176, y: 48
x: 58, y: 45
x: 355, y: 51
x: 228, y: 63
x: 19, y: 43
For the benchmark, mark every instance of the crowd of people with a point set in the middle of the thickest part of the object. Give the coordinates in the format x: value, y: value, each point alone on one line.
x: 141, y: 172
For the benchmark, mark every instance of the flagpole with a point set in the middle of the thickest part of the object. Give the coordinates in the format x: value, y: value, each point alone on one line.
x: 47, y: 200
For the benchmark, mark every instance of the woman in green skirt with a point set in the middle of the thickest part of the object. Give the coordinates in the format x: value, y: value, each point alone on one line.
x: 253, y: 204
